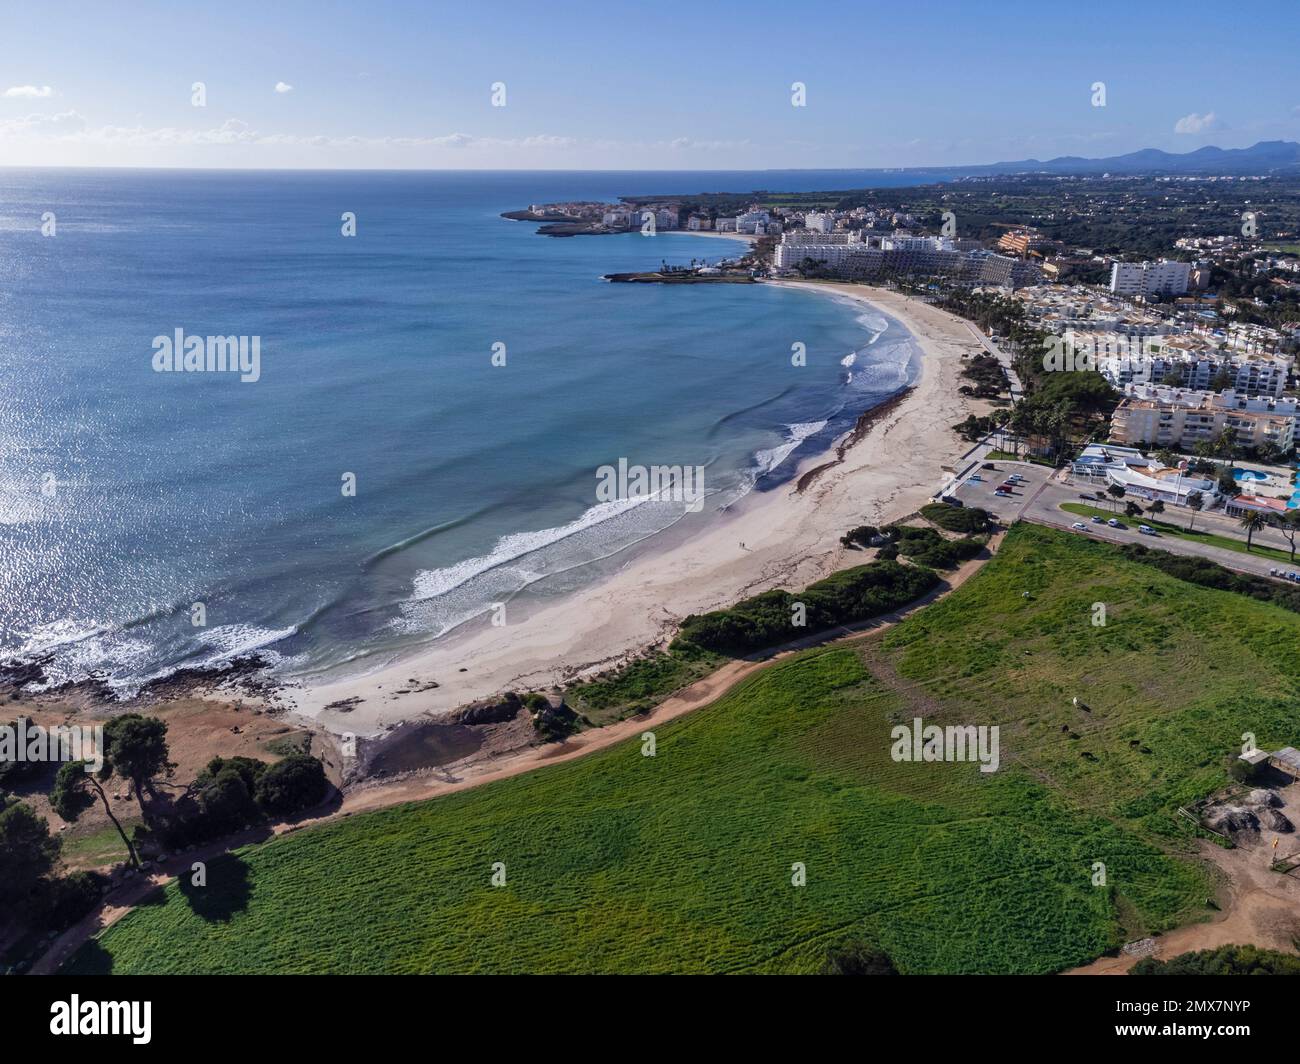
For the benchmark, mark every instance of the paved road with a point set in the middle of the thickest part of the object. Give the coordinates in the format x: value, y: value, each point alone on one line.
x: 1042, y: 492
x: 1045, y: 510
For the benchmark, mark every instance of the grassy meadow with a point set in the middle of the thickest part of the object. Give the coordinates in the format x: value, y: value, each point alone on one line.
x: 683, y: 861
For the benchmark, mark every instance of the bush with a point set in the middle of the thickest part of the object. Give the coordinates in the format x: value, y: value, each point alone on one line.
x: 969, y: 520
x: 1226, y: 960
x: 1206, y: 573
x: 858, y: 958
x: 768, y: 619
x: 70, y: 898
x: 859, y: 537
x: 291, y: 785
x: 926, y: 547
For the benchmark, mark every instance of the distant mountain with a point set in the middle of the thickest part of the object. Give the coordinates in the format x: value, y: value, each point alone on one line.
x: 1261, y: 158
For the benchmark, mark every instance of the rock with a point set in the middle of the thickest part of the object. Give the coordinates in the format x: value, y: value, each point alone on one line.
x: 1264, y: 798
x: 1231, y: 819
x: 489, y: 712
x: 1275, y: 821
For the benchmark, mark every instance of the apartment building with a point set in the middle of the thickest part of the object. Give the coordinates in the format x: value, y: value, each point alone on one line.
x: 904, y: 253
x: 1022, y: 241
x: 1133, y: 363
x: 1158, y: 416
x: 1149, y: 279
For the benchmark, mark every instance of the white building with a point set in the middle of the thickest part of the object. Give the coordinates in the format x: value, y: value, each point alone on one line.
x: 819, y: 223
x: 1141, y: 476
x: 1148, y: 279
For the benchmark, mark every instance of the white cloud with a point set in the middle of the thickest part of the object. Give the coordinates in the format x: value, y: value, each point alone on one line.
x: 283, y: 86
x: 1194, y: 123
x: 30, y: 92
x: 64, y: 123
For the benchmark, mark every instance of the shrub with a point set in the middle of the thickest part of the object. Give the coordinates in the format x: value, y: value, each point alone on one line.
x: 859, y: 537
x: 1226, y: 960
x: 843, y: 598
x: 969, y: 520
x: 291, y: 785
x: 858, y: 958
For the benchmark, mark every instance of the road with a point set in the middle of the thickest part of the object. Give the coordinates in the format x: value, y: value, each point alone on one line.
x: 1039, y: 500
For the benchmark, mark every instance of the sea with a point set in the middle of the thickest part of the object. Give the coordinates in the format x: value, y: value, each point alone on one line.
x: 421, y: 440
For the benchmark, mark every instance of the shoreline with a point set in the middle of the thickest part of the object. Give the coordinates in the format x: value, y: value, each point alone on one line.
x: 881, y: 471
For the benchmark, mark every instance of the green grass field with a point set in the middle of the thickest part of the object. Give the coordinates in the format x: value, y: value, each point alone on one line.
x: 1168, y: 528
x: 682, y: 862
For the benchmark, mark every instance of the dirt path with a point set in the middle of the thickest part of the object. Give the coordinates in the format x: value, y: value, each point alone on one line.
x: 1259, y: 907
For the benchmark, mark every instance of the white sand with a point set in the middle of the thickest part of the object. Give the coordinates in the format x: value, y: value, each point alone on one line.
x: 791, y: 540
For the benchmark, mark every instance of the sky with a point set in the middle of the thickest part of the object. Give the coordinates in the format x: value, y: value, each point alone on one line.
x: 568, y: 84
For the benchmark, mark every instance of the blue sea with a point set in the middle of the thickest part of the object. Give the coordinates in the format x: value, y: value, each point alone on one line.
x: 128, y: 496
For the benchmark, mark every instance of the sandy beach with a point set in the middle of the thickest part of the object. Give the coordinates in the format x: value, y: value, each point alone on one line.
x: 790, y: 538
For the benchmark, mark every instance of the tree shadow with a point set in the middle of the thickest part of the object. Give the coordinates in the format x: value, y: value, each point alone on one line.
x: 225, y: 891
x: 91, y: 959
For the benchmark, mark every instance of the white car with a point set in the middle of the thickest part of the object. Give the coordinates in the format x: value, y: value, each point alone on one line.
x: 976, y: 477
x: 1113, y: 523
x: 1079, y: 525
x: 1146, y: 530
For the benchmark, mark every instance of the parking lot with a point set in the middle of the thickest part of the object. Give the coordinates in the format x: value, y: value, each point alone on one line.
x: 980, y: 485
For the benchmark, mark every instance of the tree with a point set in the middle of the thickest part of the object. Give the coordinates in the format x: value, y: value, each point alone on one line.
x: 1250, y: 521
x: 1195, y: 500
x: 1156, y: 508
x: 137, y: 751
x: 27, y: 854
x: 1116, y: 492
x: 1132, y: 509
x: 75, y: 788
x: 1225, y: 445
x: 1222, y: 379
x: 292, y: 785
x: 1290, y: 528
x: 1228, y: 483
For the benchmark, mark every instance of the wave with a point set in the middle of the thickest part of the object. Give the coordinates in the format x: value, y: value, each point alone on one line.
x: 768, y: 459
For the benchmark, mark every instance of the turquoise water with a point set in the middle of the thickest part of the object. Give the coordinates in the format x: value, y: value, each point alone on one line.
x: 128, y: 495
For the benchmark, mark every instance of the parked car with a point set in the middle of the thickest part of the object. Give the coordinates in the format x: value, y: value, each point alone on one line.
x: 1079, y: 525
x: 1113, y: 523
x: 1146, y: 530
x: 1096, y: 520
x: 1001, y: 494
x: 976, y: 477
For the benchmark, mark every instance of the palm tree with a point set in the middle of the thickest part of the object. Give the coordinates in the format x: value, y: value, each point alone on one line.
x: 1116, y: 492
x: 1250, y: 521
x: 1195, y: 500
x: 1156, y: 508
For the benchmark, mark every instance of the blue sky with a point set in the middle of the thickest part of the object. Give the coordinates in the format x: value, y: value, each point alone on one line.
x: 669, y: 85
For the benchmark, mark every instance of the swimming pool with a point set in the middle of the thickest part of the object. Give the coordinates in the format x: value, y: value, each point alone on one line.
x: 1248, y: 474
